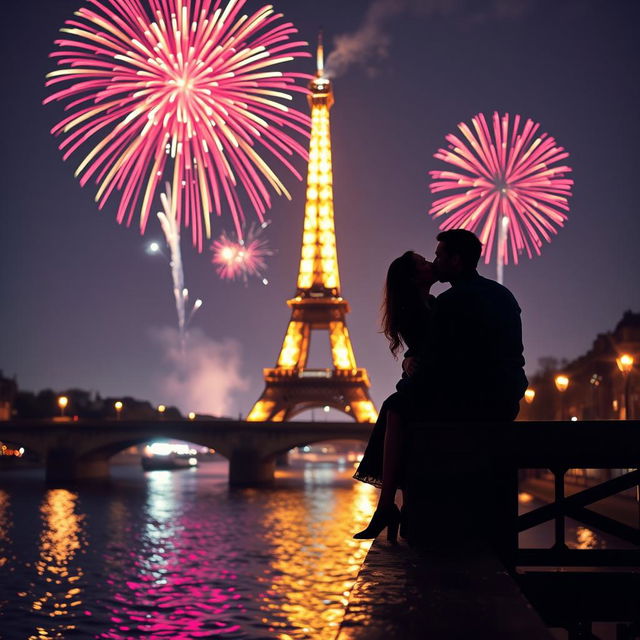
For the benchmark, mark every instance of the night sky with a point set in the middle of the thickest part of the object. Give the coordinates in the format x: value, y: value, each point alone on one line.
x: 83, y: 305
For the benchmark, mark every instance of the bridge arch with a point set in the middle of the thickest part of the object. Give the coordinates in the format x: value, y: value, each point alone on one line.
x: 110, y: 449
x: 336, y: 405
x: 311, y: 440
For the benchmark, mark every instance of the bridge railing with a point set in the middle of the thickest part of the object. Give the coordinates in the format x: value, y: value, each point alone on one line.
x: 463, y: 483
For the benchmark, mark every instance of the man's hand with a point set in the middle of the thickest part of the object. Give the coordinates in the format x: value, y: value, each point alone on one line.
x: 409, y: 365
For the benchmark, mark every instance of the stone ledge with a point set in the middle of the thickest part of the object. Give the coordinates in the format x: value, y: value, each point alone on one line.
x: 452, y: 594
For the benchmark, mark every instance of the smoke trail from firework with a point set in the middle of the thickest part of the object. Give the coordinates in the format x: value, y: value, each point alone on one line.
x: 171, y: 231
x: 242, y: 258
x: 187, y: 90
x: 370, y: 42
x: 506, y: 185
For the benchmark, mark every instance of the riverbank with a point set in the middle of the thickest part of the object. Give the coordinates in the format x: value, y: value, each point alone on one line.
x: 406, y: 594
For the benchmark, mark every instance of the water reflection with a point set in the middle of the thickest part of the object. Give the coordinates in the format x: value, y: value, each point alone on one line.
x: 179, y: 555
x: 241, y: 564
x: 60, y: 541
x: 586, y: 539
x: 315, y: 560
x: 5, y: 525
x: 542, y: 536
x: 176, y: 584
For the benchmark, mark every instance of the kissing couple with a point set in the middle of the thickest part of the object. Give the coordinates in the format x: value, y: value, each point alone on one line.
x: 463, y: 361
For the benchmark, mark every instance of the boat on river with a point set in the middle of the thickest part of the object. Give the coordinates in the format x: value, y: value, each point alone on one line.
x: 167, y: 457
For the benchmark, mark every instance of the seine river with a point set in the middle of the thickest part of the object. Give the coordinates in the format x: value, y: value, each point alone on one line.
x: 177, y: 554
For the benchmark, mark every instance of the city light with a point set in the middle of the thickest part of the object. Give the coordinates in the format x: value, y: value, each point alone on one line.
x: 192, y: 415
x: 625, y: 363
x: 117, y: 405
x: 529, y: 395
x: 562, y: 383
x: 63, y: 401
x: 161, y: 408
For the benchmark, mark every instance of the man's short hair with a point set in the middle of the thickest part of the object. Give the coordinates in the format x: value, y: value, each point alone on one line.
x: 463, y: 243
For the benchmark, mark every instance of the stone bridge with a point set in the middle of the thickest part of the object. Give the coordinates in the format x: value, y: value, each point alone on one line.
x: 76, y: 450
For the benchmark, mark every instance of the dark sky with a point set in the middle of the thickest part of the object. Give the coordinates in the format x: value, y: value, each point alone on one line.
x: 83, y: 305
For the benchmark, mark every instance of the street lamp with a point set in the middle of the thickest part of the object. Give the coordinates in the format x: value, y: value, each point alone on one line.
x: 562, y: 384
x: 161, y: 410
x: 625, y: 364
x: 192, y: 415
x: 63, y: 401
x: 117, y: 405
x: 529, y: 395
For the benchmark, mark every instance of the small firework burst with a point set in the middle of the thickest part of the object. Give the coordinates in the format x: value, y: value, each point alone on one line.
x: 242, y: 258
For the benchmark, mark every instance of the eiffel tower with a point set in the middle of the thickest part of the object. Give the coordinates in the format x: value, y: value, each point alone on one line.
x: 291, y: 387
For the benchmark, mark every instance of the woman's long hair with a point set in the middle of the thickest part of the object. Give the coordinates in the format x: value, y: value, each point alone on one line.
x: 402, y: 300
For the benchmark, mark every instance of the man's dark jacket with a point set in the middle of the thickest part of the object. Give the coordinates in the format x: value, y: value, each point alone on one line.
x: 477, y: 370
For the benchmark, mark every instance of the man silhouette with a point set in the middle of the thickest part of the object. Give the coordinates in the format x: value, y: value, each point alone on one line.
x: 476, y: 373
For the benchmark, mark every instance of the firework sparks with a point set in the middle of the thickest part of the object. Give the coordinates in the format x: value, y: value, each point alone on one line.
x: 242, y: 258
x: 508, y: 186
x: 190, y: 90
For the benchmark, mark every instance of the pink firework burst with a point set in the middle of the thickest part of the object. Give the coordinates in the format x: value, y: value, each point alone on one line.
x: 241, y: 258
x: 509, y: 185
x: 184, y: 90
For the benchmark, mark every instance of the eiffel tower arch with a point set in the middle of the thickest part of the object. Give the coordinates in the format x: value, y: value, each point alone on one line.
x: 291, y: 387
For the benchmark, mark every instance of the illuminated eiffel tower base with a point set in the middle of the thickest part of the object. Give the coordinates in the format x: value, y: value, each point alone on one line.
x: 290, y: 386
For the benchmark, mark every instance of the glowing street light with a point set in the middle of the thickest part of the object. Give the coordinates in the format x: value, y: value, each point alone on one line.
x: 625, y: 364
x: 117, y: 405
x: 192, y: 415
x: 562, y: 384
x: 529, y: 395
x: 63, y: 401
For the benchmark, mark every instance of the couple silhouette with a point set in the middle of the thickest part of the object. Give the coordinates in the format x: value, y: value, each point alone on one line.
x: 463, y: 360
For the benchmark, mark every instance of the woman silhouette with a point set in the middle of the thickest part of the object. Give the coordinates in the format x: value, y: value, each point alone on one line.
x: 406, y: 320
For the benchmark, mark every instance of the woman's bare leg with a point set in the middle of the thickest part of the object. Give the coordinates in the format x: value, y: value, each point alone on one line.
x: 392, y: 453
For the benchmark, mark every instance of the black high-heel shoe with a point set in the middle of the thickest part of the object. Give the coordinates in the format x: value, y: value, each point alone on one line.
x: 389, y: 518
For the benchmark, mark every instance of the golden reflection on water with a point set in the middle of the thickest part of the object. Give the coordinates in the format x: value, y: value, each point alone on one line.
x: 586, y: 539
x: 5, y: 524
x: 60, y: 541
x: 316, y: 561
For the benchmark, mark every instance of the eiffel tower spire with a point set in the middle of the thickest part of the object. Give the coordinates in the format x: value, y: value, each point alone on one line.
x: 291, y: 387
x: 319, y: 260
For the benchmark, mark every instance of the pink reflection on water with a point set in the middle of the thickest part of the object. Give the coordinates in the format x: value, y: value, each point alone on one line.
x: 172, y: 591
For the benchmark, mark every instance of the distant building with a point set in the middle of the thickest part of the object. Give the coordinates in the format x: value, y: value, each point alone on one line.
x: 597, y: 389
x: 8, y: 392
